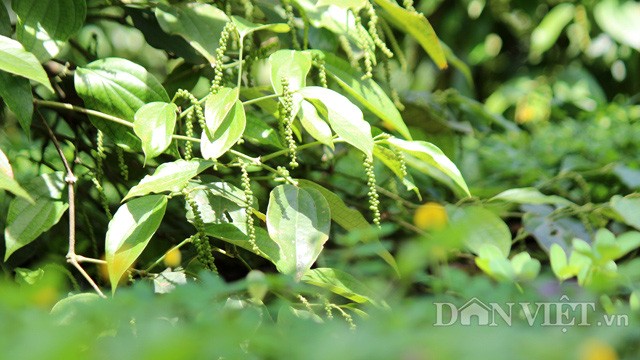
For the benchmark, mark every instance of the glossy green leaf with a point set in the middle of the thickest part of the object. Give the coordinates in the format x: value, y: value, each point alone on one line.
x: 341, y: 283
x: 199, y: 24
x: 217, y: 107
x: 45, y: 25
x: 367, y: 92
x: 547, y: 32
x: 213, y: 208
x: 530, y: 195
x: 16, y: 93
x: 479, y: 227
x: 245, y: 27
x: 117, y: 87
x: 25, y: 220
x: 130, y: 231
x: 144, y: 19
x: 231, y: 233
x: 154, y: 124
x: 428, y: 154
x: 216, y: 187
x: 16, y: 60
x: 339, y: 19
x: 226, y: 134
x: 349, y: 219
x: 298, y: 220
x: 344, y: 117
x: 354, y: 5
x: 390, y: 159
x: 314, y: 125
x: 558, y: 260
x: 628, y: 209
x: 9, y: 184
x: 172, y: 176
x: 260, y: 132
x: 292, y: 65
x: 255, y: 92
x: 619, y: 19
x: 418, y: 26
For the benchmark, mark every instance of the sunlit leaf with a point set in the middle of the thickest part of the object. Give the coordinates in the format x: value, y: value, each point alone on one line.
x: 200, y: 24
x: 171, y: 176
x: 292, y: 65
x: 130, y: 231
x: 5, y: 165
x: 530, y: 196
x: 314, y: 125
x: 217, y: 107
x: 619, y: 19
x: 367, y: 92
x: 245, y: 27
x: 298, y: 220
x: 226, y: 134
x: 547, y: 32
x: 16, y: 60
x: 354, y: 5
x: 117, y: 87
x: 45, y: 25
x: 9, y: 184
x: 154, y: 124
x: 428, y: 154
x: 341, y: 283
x: 349, y: 219
x: 391, y: 160
x: 344, y: 117
x: 260, y: 132
x: 418, y: 26
x: 231, y: 233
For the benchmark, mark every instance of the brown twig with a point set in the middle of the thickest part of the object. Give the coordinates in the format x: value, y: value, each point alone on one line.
x: 71, y: 179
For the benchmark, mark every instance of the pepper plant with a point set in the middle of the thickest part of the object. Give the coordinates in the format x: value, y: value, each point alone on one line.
x: 232, y: 127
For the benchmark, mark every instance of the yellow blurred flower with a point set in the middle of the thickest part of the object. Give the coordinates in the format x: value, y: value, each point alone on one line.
x: 430, y: 216
x: 173, y: 258
x: 594, y: 349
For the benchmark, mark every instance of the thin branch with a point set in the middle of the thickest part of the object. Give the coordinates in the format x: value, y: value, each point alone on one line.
x: 117, y: 120
x: 70, y: 179
x: 65, y: 106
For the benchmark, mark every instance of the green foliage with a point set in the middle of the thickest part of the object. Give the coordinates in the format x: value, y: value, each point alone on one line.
x: 44, y: 27
x: 16, y: 60
x: 298, y: 221
x: 228, y: 138
x: 130, y: 231
x: 27, y: 220
x: 154, y: 124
